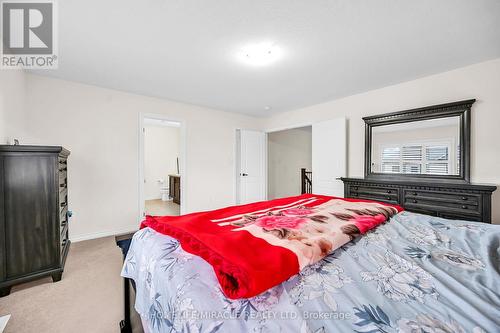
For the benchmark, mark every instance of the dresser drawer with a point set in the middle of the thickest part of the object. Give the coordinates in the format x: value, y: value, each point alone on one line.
x: 64, y: 232
x: 63, y: 163
x: 385, y: 194
x: 63, y: 218
x: 450, y: 197
x: 63, y: 195
x: 63, y: 177
x: 432, y: 208
x: 453, y: 204
x: 63, y: 183
x: 64, y: 242
x: 63, y: 203
x: 451, y: 216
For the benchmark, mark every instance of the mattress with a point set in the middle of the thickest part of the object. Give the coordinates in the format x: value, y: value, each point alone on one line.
x: 416, y: 273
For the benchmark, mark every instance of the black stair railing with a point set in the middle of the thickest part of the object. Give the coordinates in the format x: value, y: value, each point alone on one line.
x: 306, y: 180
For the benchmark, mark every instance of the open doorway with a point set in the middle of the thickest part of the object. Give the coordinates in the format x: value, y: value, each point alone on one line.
x: 161, y: 166
x: 289, y: 159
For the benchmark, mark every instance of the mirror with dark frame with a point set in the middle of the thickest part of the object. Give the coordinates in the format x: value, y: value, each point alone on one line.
x: 420, y: 144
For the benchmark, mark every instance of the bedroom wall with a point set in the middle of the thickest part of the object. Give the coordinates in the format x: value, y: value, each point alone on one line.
x: 480, y: 81
x: 288, y: 151
x: 161, y: 150
x: 100, y: 127
x: 12, y: 97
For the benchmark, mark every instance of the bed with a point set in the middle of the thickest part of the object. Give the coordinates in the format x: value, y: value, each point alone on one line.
x: 416, y: 273
x: 431, y: 272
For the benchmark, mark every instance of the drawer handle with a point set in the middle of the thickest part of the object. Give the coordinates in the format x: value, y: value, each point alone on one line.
x: 389, y: 192
x: 415, y: 193
x: 388, y: 198
x: 63, y: 204
x: 415, y: 201
x: 464, y: 207
x: 355, y: 188
x: 63, y: 185
x: 355, y: 194
x: 465, y: 198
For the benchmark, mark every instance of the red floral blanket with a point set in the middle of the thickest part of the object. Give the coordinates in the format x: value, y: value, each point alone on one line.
x: 257, y: 246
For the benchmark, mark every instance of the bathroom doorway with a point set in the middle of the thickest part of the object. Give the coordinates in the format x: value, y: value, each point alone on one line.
x: 161, y: 166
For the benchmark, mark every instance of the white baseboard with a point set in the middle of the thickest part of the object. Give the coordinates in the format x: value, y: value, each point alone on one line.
x: 107, y: 233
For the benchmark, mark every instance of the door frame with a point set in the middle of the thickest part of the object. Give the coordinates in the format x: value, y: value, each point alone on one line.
x: 289, y: 127
x: 182, y: 159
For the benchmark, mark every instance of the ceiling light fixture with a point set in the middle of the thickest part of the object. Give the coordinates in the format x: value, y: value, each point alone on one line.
x: 260, y: 54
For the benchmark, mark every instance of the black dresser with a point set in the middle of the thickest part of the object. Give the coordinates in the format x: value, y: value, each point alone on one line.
x: 470, y: 202
x: 33, y: 214
x: 420, y: 159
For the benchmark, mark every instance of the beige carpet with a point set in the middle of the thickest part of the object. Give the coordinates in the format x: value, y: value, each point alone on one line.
x: 88, y: 299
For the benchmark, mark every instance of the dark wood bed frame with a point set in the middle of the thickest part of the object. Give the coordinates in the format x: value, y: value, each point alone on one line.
x: 451, y: 197
x: 123, y: 242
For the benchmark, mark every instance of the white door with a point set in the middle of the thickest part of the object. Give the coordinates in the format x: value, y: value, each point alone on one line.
x: 251, y: 167
x: 329, y: 157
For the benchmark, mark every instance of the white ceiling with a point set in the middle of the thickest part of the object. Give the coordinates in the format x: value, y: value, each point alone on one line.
x: 186, y: 50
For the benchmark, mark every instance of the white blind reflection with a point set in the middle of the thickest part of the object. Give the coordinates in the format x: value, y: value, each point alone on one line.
x: 422, y: 147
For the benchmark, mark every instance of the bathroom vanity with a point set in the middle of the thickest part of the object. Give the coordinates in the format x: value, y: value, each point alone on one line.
x: 174, y: 182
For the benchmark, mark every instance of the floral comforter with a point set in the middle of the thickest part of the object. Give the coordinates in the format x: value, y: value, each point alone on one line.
x: 416, y: 273
x: 275, y: 239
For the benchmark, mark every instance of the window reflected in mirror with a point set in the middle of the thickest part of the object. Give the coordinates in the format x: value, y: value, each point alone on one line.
x: 429, y: 147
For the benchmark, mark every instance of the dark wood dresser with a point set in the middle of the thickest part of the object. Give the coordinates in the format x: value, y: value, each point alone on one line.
x: 33, y: 214
x: 420, y: 159
x: 470, y: 202
x: 175, y: 188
